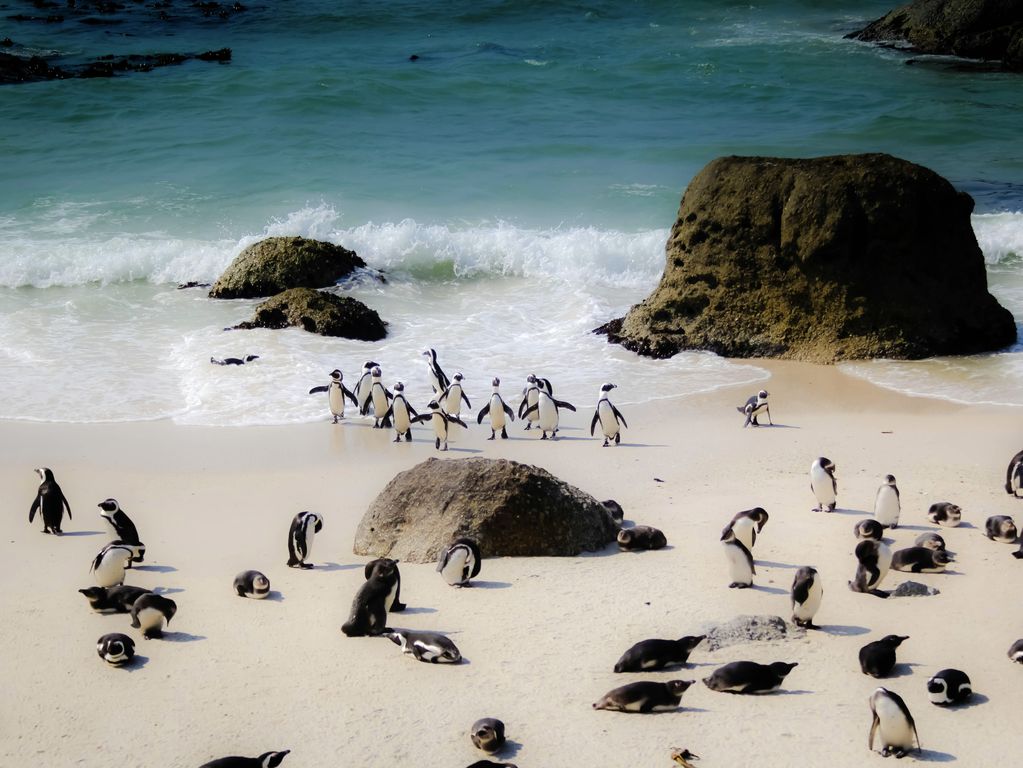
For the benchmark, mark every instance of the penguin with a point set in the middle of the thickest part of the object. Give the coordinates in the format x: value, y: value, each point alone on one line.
x: 401, y: 414
x: 894, y: 722
x: 614, y: 509
x: 949, y: 686
x: 487, y: 734
x: 123, y: 527
x: 930, y: 540
x: 234, y: 360
x: 869, y: 529
x: 683, y: 757
x: 151, y: 612
x: 610, y: 418
x: 530, y: 397
x: 368, y: 616
x: 431, y: 647
x: 644, y: 696
x: 252, y: 584
x: 746, y: 525
x: 363, y: 387
x: 453, y: 395
x: 647, y: 655
x: 109, y: 565
x: 303, y: 530
x: 823, y: 484
x: 440, y: 422
x: 1018, y: 554
x: 1001, y: 528
x: 438, y: 379
x: 498, y: 409
x: 886, y: 503
x: 265, y: 760
x: 381, y: 397
x: 491, y: 764
x: 740, y: 561
x: 547, y: 408
x: 113, y: 599
x: 336, y: 394
x: 460, y: 562
x: 386, y: 570
x: 749, y: 677
x: 874, y: 558
x: 945, y: 513
x: 877, y: 659
x: 1016, y: 652
x: 921, y: 560
x: 640, y: 537
x: 753, y: 406
x: 116, y: 649
x: 49, y: 500
x: 807, y: 592
x: 1014, y: 475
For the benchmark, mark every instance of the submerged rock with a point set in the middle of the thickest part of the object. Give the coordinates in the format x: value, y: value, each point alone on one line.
x: 751, y: 629
x: 319, y: 312
x: 508, y: 508
x: 822, y: 259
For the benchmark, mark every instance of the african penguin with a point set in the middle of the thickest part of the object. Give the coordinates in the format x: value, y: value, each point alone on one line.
x: 530, y: 397
x: 451, y: 398
x: 641, y: 537
x: 945, y: 513
x: 869, y: 529
x: 894, y: 723
x: 487, y: 734
x: 1001, y: 528
x: 877, y: 658
x: 438, y: 379
x: 749, y: 677
x: 740, y: 561
x: 886, y: 503
x: 874, y: 558
x: 363, y: 387
x: 303, y: 530
x: 921, y: 560
x: 949, y: 686
x: 113, y: 599
x: 50, y: 501
x: 431, y: 647
x: 109, y: 565
x: 610, y: 418
x: 440, y: 422
x: 381, y: 397
x: 368, y: 616
x: 930, y: 540
x: 401, y: 414
x: 753, y: 406
x: 234, y: 360
x: 459, y: 562
x: 498, y: 409
x: 385, y: 570
x: 151, y: 612
x: 1014, y: 475
x: 644, y: 696
x: 1016, y: 651
x: 658, y: 654
x: 491, y: 764
x: 265, y: 760
x: 807, y: 592
x: 746, y: 525
x: 547, y: 408
x: 115, y: 648
x: 252, y: 584
x: 123, y: 527
x: 823, y: 484
x: 336, y: 394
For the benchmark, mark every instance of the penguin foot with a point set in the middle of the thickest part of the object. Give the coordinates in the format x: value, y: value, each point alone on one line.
x: 739, y: 585
x: 492, y: 434
x: 543, y: 436
x: 529, y: 427
x: 335, y: 419
x: 605, y: 443
x: 305, y: 566
x: 408, y: 436
x: 397, y: 439
x: 880, y: 593
x: 504, y: 433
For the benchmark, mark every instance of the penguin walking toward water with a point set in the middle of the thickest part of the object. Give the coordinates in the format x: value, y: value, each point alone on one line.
x: 753, y: 406
x: 610, y: 418
x: 50, y: 501
x: 381, y: 398
x: 401, y: 414
x: 530, y: 397
x: 109, y: 565
x: 547, y: 408
x: 893, y: 722
x: 497, y: 408
x: 886, y: 503
x: 451, y: 398
x: 303, y: 530
x: 440, y: 422
x: 336, y: 394
x: 746, y: 525
x: 460, y: 562
x: 363, y: 387
x: 1014, y: 475
x: 265, y: 760
x: 807, y: 592
x: 438, y: 379
x: 823, y: 484
x: 874, y: 558
x: 123, y: 527
x: 740, y: 560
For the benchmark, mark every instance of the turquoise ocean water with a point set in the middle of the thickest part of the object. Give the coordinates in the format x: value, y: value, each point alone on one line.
x: 516, y: 180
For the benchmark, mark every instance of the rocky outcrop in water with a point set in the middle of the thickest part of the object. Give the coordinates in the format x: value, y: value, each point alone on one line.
x: 510, y: 509
x: 319, y: 312
x: 975, y: 29
x: 21, y: 69
x: 823, y: 259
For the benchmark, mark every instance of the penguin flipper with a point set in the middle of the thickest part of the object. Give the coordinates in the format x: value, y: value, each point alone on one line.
x: 563, y: 404
x: 593, y: 422
x: 508, y: 410
x: 413, y: 416
x: 618, y: 415
x: 873, y: 730
x: 800, y: 590
x: 455, y: 420
x: 67, y: 506
x: 530, y: 409
x: 467, y: 403
x: 525, y: 401
x: 483, y: 412
x: 387, y: 415
x: 314, y: 390
x: 346, y: 392
x: 35, y: 507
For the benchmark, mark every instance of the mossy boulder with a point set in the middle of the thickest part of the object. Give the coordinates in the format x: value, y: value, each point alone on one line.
x: 822, y: 259
x: 279, y: 263
x: 319, y: 312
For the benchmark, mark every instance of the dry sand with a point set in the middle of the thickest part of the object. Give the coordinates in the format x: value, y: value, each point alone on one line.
x: 540, y: 635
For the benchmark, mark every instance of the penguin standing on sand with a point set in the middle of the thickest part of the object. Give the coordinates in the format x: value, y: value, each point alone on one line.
x: 1014, y: 475
x: 460, y: 562
x: 336, y: 394
x: 498, y: 409
x: 451, y: 398
x: 753, y: 406
x: 265, y: 760
x: 303, y: 530
x: 807, y: 593
x: 438, y: 379
x: 49, y: 500
x: 746, y: 525
x: 874, y: 558
x: 440, y: 422
x: 886, y: 503
x: 363, y: 387
x: 381, y: 398
x: 547, y: 408
x: 610, y: 418
x: 823, y: 484
x: 124, y: 528
x: 894, y: 723
x: 109, y: 565
x: 740, y: 560
x: 151, y: 613
x: 530, y: 396
x: 401, y: 414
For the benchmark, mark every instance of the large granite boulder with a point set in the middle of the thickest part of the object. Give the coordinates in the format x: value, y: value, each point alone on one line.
x: 975, y: 29
x: 278, y: 263
x: 319, y: 312
x: 823, y: 259
x: 508, y: 508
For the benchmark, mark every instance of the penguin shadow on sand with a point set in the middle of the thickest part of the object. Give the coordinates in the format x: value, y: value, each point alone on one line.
x: 844, y: 511
x: 769, y: 590
x: 167, y: 590
x: 155, y: 568
x: 330, y: 566
x: 80, y: 533
x: 902, y: 669
x: 974, y: 700
x: 772, y: 564
x: 476, y: 583
x: 933, y: 756
x: 274, y: 596
x: 181, y: 637
x: 411, y: 610
x: 137, y: 663
x: 508, y: 750
x: 843, y: 630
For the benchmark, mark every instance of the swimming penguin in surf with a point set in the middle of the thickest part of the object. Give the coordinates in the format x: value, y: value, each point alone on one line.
x: 336, y: 394
x: 893, y: 722
x: 123, y: 527
x: 401, y: 414
x: 50, y: 501
x: 753, y: 407
x: 234, y: 360
x: 610, y: 418
x: 823, y: 484
x: 547, y: 408
x: 304, y: 528
x: 453, y: 395
x: 440, y: 422
x: 497, y: 408
x: 438, y: 379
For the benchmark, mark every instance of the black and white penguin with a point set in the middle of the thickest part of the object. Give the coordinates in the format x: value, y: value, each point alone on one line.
x: 110, y: 564
x: 385, y: 570
x: 438, y: 379
x: 949, y: 686
x: 746, y: 525
x: 431, y: 647
x: 749, y: 677
x: 1018, y: 554
x: 440, y: 422
x: 252, y: 584
x: 921, y: 560
x: 886, y: 503
x: 644, y: 696
x: 658, y: 654
x: 530, y: 397
x: 116, y: 649
x: 50, y: 501
x: 451, y: 398
x: 336, y: 394
x: 877, y: 659
x: 234, y: 360
x: 893, y: 722
x: 823, y: 484
x: 460, y: 562
x: 113, y: 599
x: 610, y: 418
x: 491, y: 764
x: 869, y: 529
x: 381, y: 398
x: 753, y: 406
x: 123, y: 527
x: 1016, y: 651
x: 740, y: 561
x: 874, y: 558
x: 945, y: 513
x: 368, y: 616
x: 363, y: 387
x: 1001, y: 528
x: 614, y: 509
x: 547, y: 408
x: 1014, y: 475
x: 151, y: 612
x: 641, y: 537
x: 487, y: 734
x: 807, y: 592
x: 401, y: 414
x: 265, y: 760
x: 930, y: 540
x: 303, y: 530
x: 498, y: 409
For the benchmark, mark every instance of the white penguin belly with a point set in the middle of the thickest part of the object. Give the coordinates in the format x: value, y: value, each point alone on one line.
x: 336, y: 400
x: 884, y: 563
x: 379, y: 401
x: 738, y: 566
x: 806, y: 611
x: 822, y: 485
x: 310, y: 536
x: 532, y: 398
x: 608, y: 422
x: 453, y: 403
x: 745, y: 531
x: 497, y: 419
x: 455, y: 567
x: 440, y: 426
x: 149, y: 619
x: 893, y: 726
x: 886, y: 507
x: 110, y: 572
x: 548, y: 414
x: 401, y: 417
